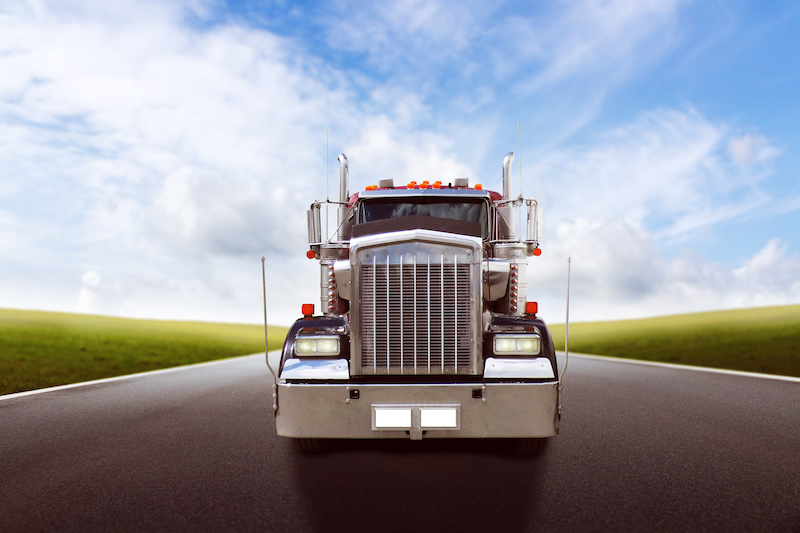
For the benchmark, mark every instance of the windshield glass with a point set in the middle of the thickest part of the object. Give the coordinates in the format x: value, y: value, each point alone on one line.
x: 459, y: 210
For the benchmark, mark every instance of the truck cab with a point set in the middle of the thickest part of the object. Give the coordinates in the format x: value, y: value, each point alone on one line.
x: 425, y: 329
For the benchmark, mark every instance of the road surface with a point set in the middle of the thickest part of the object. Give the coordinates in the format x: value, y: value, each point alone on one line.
x: 642, y: 448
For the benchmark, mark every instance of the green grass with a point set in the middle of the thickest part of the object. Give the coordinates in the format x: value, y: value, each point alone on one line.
x: 42, y: 349
x: 754, y: 340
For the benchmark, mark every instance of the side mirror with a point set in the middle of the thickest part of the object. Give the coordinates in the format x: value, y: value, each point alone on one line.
x: 533, y: 221
x: 314, y: 224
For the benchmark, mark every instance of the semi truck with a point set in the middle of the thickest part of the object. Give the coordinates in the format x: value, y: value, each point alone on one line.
x: 425, y: 329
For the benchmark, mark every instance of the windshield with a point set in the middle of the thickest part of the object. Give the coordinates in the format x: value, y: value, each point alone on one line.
x: 473, y: 211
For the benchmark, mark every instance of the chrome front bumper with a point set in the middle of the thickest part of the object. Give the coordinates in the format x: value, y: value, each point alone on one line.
x: 448, y: 410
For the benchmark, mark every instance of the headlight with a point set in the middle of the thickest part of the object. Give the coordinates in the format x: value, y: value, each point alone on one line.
x: 317, y: 345
x: 517, y: 344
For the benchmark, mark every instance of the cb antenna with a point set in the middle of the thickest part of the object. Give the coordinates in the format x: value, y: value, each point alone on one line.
x: 519, y: 149
x: 327, y: 186
x: 566, y: 339
x: 266, y: 340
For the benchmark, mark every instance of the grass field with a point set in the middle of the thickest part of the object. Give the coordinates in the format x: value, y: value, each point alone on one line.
x: 765, y: 339
x: 42, y: 349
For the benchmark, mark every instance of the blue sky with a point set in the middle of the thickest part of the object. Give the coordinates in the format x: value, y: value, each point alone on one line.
x: 152, y: 152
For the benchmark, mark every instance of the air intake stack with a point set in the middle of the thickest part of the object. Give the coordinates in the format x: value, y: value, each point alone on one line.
x: 344, y: 194
x: 506, y: 211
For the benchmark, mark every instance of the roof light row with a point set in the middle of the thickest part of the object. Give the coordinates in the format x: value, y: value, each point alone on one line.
x: 389, y: 184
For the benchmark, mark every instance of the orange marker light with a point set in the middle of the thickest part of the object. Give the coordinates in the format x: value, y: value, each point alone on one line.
x: 308, y: 309
x: 537, y: 251
x: 310, y: 254
x: 437, y: 185
x: 478, y: 187
x: 372, y: 187
x: 531, y: 307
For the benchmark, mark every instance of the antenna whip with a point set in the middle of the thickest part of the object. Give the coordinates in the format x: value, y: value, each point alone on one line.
x: 266, y: 340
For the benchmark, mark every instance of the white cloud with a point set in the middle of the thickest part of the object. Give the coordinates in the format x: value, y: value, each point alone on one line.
x: 618, y: 272
x: 98, y: 297
x: 382, y: 150
x: 750, y: 149
x: 772, y: 273
x: 669, y: 170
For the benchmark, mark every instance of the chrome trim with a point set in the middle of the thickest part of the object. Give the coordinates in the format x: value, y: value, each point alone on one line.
x: 511, y: 250
x: 504, y: 222
x: 344, y: 179
x: 495, y: 280
x: 533, y: 221
x: 507, y: 160
x: 539, y: 368
x: 344, y: 193
x: 315, y: 369
x: 505, y: 410
x: 406, y: 296
x: 414, y: 235
x: 455, y: 315
x: 314, y: 224
x: 341, y: 273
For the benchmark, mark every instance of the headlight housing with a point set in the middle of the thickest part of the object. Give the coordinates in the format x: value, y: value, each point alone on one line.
x: 316, y: 346
x: 505, y: 344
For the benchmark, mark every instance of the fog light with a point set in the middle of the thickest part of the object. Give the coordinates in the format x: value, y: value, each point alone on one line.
x: 517, y: 344
x: 504, y: 344
x: 317, y: 345
x: 530, y: 345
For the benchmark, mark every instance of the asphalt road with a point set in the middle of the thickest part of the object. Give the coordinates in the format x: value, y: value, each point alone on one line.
x: 641, y: 448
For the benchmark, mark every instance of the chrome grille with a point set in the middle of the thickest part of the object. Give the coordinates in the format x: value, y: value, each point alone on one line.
x: 415, y: 312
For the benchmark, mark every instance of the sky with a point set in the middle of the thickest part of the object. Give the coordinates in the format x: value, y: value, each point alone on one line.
x: 151, y: 152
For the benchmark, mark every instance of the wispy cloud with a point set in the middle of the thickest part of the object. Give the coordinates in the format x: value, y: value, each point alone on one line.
x: 670, y: 170
x: 602, y: 40
x: 400, y: 33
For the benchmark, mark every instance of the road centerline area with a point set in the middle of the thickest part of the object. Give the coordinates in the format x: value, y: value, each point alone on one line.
x: 641, y: 448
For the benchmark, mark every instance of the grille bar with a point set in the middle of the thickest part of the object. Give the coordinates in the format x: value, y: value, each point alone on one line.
x: 455, y: 315
x: 442, y: 320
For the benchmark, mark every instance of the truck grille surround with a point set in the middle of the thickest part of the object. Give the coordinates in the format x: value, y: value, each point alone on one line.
x: 417, y: 308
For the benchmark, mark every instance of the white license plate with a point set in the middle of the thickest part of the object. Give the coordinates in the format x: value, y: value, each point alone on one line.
x: 392, y: 418
x: 438, y: 417
x: 404, y: 417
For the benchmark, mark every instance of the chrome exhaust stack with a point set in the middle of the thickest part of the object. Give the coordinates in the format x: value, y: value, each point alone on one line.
x: 507, y: 160
x: 506, y: 222
x: 344, y: 193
